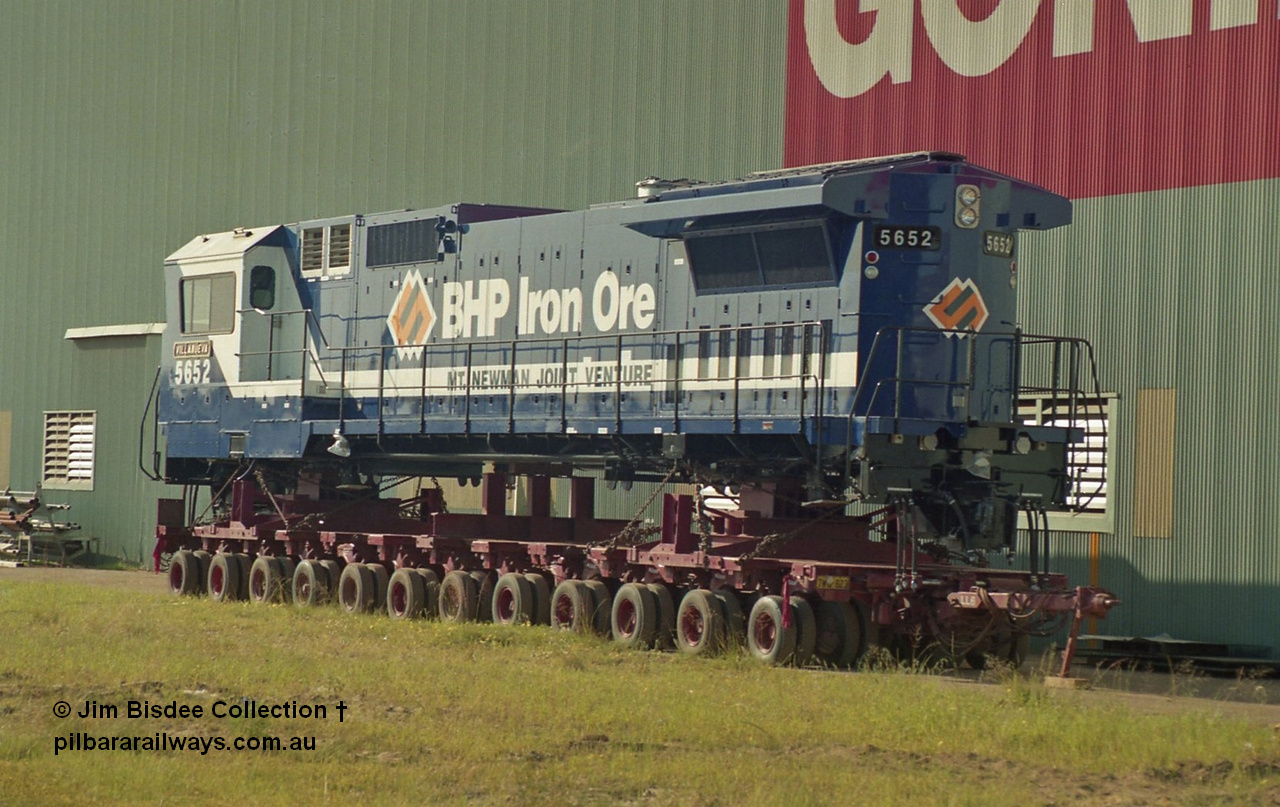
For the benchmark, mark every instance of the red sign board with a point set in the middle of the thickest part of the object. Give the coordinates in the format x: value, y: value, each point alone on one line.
x: 1085, y: 97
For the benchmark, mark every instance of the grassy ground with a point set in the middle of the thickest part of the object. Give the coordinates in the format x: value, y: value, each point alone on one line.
x: 481, y: 714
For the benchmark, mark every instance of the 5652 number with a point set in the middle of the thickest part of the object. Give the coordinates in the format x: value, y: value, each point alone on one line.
x: 190, y: 371
x: 997, y: 243
x: 907, y: 237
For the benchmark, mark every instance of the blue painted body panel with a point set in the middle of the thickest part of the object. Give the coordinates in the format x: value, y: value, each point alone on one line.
x: 491, y: 323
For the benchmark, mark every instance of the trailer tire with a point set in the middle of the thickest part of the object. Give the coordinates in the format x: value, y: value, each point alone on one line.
x: 224, y: 578
x: 458, y: 597
x: 634, y: 617
x: 310, y: 584
x: 266, y: 580
x: 601, y: 607
x: 571, y: 605
x: 406, y: 594
x: 541, y: 598
x: 485, y: 581
x: 357, y: 589
x: 768, y: 640
x: 806, y: 630
x: 1020, y: 650
x: 286, y: 578
x: 841, y: 634
x: 700, y: 624
x: 513, y: 600
x: 735, y: 623
x: 381, y: 577
x: 1012, y: 649
x: 244, y: 563
x: 202, y: 579
x: 430, y: 592
x: 665, y: 636
x: 184, y: 573
x: 333, y: 572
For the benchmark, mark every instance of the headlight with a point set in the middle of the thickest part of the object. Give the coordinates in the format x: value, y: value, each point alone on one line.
x: 968, y: 206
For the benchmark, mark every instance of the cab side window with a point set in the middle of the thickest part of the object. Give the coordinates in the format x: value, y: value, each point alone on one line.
x: 262, y: 288
x: 208, y: 304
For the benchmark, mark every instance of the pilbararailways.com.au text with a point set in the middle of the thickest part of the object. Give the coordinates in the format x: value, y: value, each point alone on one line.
x: 164, y: 741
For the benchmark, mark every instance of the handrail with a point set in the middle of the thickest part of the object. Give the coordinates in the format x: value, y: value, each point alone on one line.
x: 308, y: 316
x: 154, y: 474
x: 1065, y: 376
x: 810, y: 353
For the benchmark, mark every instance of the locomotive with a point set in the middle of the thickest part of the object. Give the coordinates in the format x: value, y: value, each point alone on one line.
x: 839, y: 343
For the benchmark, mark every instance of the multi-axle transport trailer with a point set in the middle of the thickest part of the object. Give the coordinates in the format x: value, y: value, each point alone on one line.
x: 837, y: 343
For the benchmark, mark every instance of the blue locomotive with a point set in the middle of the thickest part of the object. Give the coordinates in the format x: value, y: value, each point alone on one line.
x: 848, y: 329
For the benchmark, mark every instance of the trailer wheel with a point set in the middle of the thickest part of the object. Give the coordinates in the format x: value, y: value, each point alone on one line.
x: 735, y: 622
x: 485, y: 582
x: 184, y: 572
x: 601, y: 607
x: 806, y: 630
x: 571, y: 605
x: 665, y: 607
x: 357, y: 589
x: 333, y: 570
x: 310, y: 584
x: 541, y: 598
x: 202, y: 578
x: 635, y: 616
x: 1012, y: 649
x: 266, y: 580
x: 1020, y: 650
x: 244, y: 563
x: 768, y: 640
x: 513, y: 600
x: 224, y: 578
x: 459, y: 597
x: 287, y: 566
x: 841, y: 634
x: 700, y: 624
x: 430, y: 592
x: 381, y: 577
x: 406, y: 594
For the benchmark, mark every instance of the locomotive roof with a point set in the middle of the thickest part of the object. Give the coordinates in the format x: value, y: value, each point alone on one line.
x: 854, y: 188
x: 215, y: 246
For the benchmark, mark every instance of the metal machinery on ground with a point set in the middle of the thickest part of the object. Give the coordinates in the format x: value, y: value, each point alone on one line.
x: 829, y: 340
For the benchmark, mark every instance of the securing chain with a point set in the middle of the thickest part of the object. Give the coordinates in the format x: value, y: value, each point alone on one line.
x: 444, y: 505
x: 704, y: 523
x: 633, y: 533
x: 776, y: 540
x: 199, y: 520
x: 262, y: 485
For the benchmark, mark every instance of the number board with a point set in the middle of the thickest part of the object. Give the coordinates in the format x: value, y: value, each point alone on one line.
x: 997, y: 244
x: 901, y: 236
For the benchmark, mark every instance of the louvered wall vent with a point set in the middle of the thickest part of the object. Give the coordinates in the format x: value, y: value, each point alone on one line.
x: 69, y: 440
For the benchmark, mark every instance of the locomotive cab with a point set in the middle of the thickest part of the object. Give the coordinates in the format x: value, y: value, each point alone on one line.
x: 237, y: 336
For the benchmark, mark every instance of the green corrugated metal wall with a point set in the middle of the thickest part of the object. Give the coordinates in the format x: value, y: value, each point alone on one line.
x: 128, y: 127
x: 1178, y: 293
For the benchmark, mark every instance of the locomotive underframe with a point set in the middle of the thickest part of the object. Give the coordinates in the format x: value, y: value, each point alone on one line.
x: 910, y: 601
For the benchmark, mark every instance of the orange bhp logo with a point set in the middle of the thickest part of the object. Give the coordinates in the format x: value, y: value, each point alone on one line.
x: 958, y: 307
x: 412, y: 317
